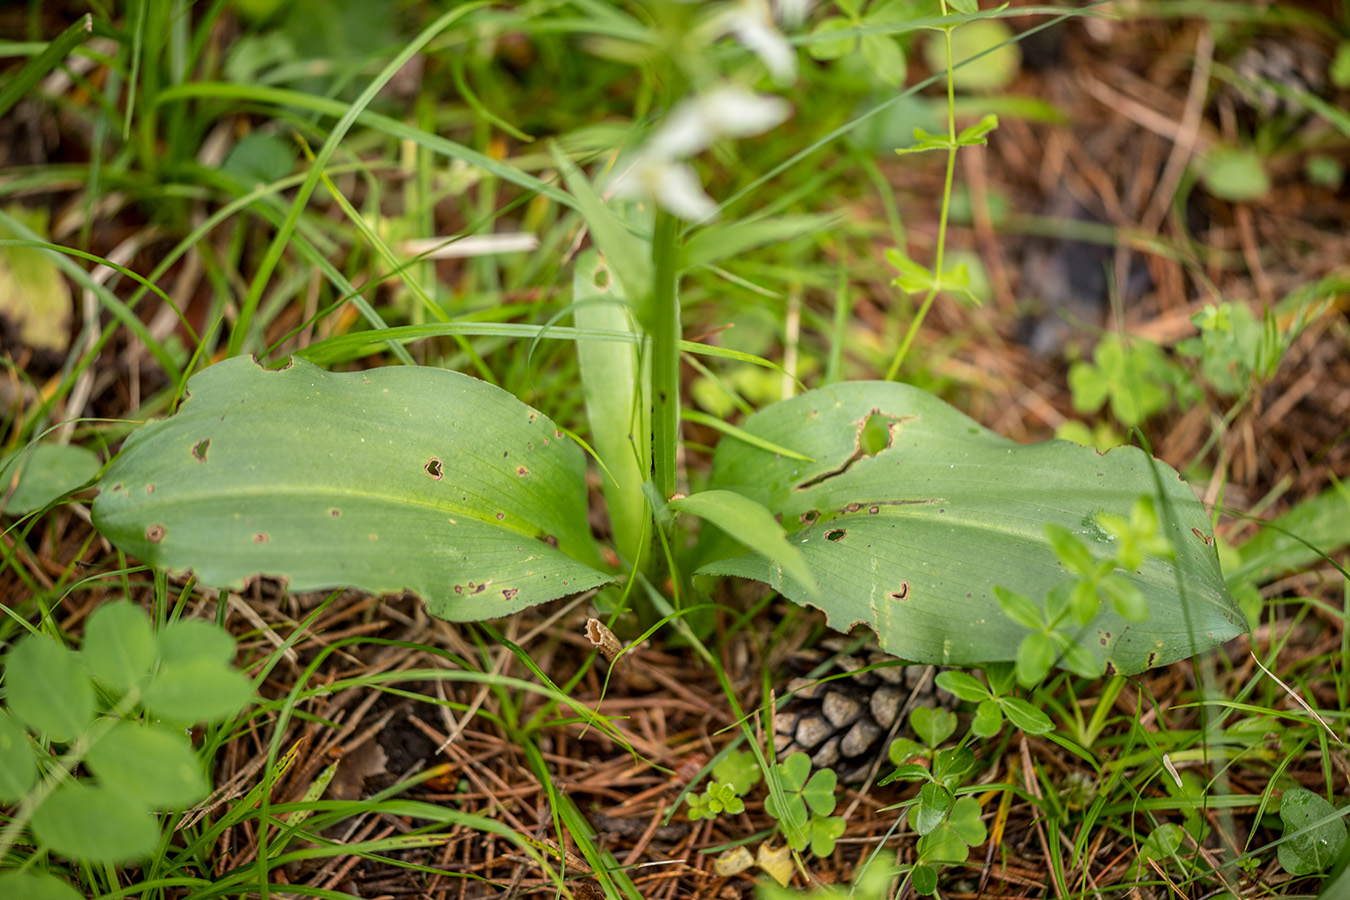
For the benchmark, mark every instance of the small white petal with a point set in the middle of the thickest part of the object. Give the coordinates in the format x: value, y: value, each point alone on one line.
x: 733, y: 111
x: 753, y: 29
x: 791, y: 12
x: 680, y: 193
x: 685, y: 132
x: 673, y: 186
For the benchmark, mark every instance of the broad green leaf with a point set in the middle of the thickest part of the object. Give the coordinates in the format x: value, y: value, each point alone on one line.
x: 388, y: 480
x: 196, y: 690
x: 1292, y: 541
x: 43, y: 473
x: 119, y: 646
x: 18, y: 767
x: 48, y: 689
x: 752, y: 525
x: 36, y: 886
x: 94, y: 824
x: 913, y: 538
x: 1312, y: 844
x: 155, y: 767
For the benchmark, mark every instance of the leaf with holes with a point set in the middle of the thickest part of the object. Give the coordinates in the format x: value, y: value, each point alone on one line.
x: 910, y: 533
x: 388, y: 480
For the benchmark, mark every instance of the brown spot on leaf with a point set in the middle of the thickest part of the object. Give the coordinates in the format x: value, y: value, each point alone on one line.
x: 335, y: 512
x: 199, y: 449
x: 434, y: 468
x: 550, y: 540
x: 510, y: 593
x: 902, y: 594
x: 1152, y: 658
x: 874, y: 510
x: 149, y: 488
x: 261, y: 538
x: 155, y: 533
x: 851, y: 508
x: 501, y: 515
x: 522, y: 471
x: 1209, y: 541
x: 1110, y: 668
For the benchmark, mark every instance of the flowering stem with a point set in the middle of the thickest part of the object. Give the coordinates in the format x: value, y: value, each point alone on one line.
x: 666, y: 332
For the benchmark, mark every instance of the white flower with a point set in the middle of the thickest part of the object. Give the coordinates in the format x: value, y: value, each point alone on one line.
x: 753, y: 26
x: 673, y: 185
x: 657, y: 171
x: 728, y: 111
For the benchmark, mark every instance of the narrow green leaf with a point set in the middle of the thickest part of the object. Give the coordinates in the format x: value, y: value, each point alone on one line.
x: 964, y: 686
x: 753, y: 525
x: 37, y: 68
x: 48, y: 689
x: 1025, y: 716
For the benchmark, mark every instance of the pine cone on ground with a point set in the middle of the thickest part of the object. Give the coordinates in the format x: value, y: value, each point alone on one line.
x: 847, y: 723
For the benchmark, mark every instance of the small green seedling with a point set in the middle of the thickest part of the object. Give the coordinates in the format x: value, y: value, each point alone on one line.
x: 948, y: 825
x: 717, y: 799
x: 1137, y: 379
x: 805, y: 817
x: 993, y: 702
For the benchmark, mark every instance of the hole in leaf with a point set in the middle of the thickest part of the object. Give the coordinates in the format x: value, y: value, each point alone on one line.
x: 835, y: 534
x: 433, y: 468
x: 875, y: 435
x: 902, y: 594
x: 809, y: 517
x: 199, y: 449
x: 601, y: 279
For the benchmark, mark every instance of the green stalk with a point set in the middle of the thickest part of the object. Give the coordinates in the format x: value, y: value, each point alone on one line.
x: 666, y: 335
x: 894, y: 369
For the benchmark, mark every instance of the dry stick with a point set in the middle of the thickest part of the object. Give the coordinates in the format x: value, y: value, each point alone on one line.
x: 1186, y: 138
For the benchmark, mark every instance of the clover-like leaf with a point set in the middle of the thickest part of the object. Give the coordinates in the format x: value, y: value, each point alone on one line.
x: 825, y: 830
x: 966, y: 822
x: 988, y: 719
x: 932, y: 725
